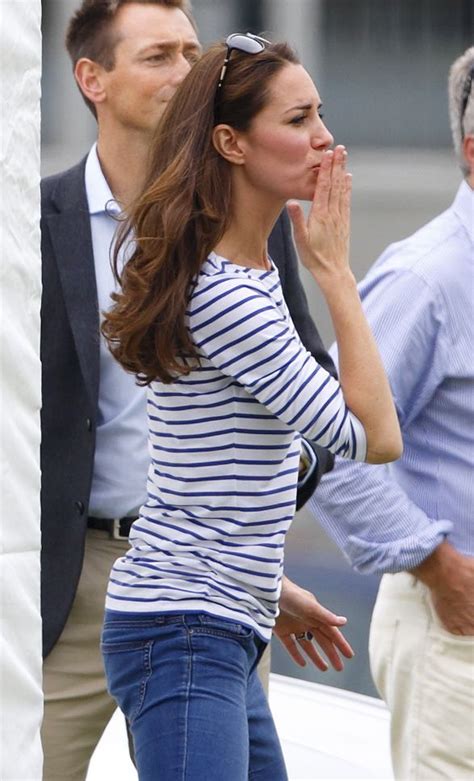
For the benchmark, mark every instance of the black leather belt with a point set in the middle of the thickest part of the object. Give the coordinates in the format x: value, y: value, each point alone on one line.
x: 118, y: 528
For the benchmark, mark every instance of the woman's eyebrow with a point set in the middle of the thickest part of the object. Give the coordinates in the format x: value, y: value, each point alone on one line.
x: 302, y: 107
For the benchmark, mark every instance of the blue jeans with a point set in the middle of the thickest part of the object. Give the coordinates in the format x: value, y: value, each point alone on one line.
x: 189, y: 689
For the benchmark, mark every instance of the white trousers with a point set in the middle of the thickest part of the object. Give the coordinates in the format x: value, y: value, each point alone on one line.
x: 426, y: 676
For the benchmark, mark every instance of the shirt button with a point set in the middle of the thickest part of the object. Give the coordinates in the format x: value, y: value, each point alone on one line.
x: 79, y: 507
x: 89, y: 424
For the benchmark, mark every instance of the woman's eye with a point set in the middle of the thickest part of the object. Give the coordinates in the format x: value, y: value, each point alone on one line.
x: 321, y: 114
x: 298, y: 120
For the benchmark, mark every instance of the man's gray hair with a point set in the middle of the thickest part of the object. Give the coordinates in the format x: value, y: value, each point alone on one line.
x: 458, y: 76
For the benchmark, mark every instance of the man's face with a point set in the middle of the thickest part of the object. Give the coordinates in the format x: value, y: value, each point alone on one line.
x: 156, y: 48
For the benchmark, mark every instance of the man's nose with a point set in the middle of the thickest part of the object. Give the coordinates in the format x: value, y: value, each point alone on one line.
x: 182, y: 68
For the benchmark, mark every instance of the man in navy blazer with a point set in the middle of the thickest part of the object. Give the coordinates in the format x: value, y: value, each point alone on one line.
x: 128, y: 59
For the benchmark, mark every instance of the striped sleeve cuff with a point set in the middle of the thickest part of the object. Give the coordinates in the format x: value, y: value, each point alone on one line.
x: 359, y: 439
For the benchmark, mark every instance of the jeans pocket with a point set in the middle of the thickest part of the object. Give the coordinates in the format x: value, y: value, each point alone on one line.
x: 128, y: 624
x: 128, y: 669
x: 217, y: 627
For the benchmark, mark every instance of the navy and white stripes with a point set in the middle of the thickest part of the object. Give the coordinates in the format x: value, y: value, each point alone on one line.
x: 225, y: 456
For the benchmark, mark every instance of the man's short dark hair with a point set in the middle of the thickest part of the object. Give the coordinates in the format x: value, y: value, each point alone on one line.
x: 90, y: 32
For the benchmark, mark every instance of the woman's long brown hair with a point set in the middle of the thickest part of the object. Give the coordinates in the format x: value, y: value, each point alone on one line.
x: 182, y: 213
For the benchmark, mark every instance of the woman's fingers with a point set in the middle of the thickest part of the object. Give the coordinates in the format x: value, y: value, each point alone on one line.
x: 292, y: 648
x: 322, y: 190
x: 298, y: 642
x: 321, y: 614
x: 346, y: 197
x: 337, y: 179
x: 298, y: 221
x: 330, y: 651
x: 311, y: 652
x: 309, y: 647
x: 337, y: 638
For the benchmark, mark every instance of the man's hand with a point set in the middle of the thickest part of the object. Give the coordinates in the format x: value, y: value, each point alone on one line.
x: 301, y: 614
x: 450, y: 577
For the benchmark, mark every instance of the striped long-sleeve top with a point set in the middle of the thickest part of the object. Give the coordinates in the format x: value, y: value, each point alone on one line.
x: 225, y: 446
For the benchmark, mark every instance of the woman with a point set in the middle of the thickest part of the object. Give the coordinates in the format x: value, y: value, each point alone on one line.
x: 201, y: 320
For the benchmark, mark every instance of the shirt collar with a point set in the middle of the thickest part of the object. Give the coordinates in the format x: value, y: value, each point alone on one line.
x: 463, y: 207
x: 99, y: 195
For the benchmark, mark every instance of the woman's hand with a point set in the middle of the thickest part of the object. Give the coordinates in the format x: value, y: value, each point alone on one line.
x: 301, y: 614
x: 323, y: 239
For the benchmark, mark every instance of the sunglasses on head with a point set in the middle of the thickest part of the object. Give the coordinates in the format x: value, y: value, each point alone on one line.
x: 242, y: 42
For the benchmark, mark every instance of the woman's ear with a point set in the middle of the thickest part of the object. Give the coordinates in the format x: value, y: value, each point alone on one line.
x: 227, y: 143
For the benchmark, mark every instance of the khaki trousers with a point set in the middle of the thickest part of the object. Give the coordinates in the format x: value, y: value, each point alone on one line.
x: 426, y: 676
x: 77, y: 706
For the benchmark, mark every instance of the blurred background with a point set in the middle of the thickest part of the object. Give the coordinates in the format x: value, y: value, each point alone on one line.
x: 381, y: 70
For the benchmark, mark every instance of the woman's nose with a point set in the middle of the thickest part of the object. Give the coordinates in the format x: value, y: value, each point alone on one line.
x: 322, y: 139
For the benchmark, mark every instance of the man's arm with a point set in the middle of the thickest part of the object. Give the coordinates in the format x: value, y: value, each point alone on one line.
x: 364, y: 508
x: 373, y: 521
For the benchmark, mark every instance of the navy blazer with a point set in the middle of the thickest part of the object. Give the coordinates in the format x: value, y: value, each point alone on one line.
x: 70, y: 381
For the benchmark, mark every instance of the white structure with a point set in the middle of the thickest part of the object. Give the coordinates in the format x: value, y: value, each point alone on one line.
x: 329, y: 733
x: 326, y: 733
x: 20, y: 279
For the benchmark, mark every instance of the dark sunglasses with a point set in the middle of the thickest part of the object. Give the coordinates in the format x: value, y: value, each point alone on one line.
x: 465, y: 96
x: 242, y: 42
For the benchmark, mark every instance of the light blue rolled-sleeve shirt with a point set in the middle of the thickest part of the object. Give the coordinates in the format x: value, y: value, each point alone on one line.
x: 419, y: 301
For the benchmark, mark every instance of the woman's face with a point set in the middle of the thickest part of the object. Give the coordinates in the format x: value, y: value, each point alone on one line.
x: 286, y: 140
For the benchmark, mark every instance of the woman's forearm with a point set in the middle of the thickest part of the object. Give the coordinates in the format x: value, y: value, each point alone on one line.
x: 362, y: 376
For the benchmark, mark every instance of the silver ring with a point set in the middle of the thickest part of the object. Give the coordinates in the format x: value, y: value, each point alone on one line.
x: 304, y: 636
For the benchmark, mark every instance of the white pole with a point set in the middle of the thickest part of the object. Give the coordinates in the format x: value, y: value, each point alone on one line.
x: 20, y: 391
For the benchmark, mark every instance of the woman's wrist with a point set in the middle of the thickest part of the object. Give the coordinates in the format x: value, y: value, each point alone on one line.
x: 336, y: 283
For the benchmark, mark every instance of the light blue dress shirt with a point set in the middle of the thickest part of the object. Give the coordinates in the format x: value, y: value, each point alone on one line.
x: 419, y: 300
x: 121, y: 456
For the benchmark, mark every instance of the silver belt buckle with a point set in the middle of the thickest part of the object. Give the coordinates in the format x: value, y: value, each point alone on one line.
x: 116, y: 530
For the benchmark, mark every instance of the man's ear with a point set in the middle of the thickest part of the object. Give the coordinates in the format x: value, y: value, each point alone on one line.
x: 468, y: 151
x: 89, y: 76
x: 227, y: 143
